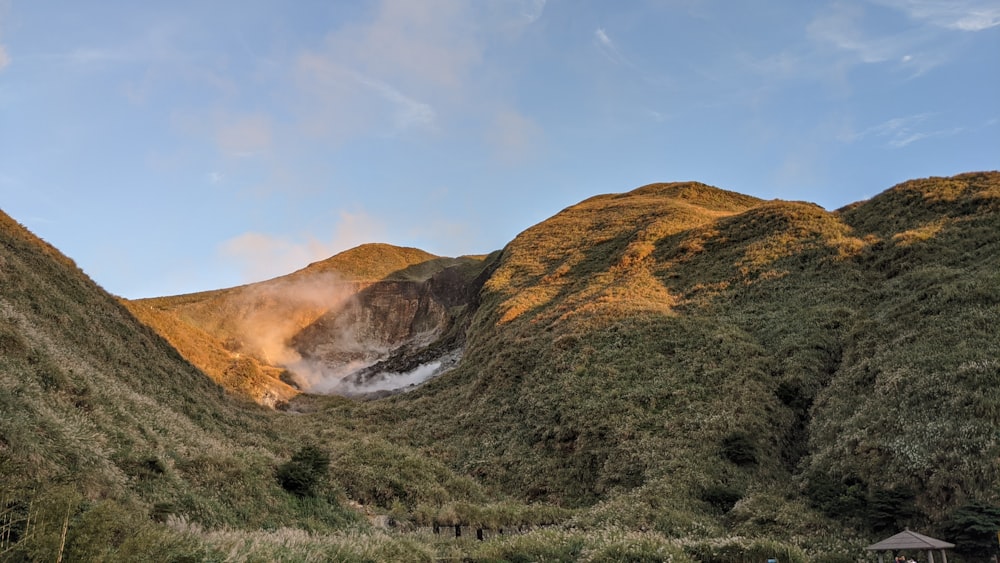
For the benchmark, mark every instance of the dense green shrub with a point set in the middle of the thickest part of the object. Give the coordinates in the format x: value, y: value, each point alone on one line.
x: 739, y: 448
x: 722, y: 497
x: 890, y: 510
x: 842, y: 499
x: 302, y: 474
x: 973, y: 527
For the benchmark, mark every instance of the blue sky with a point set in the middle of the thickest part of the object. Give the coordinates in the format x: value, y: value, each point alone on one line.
x: 171, y: 147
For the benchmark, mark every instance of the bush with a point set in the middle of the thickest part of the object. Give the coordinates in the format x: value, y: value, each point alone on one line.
x: 722, y: 497
x: 972, y: 528
x: 302, y: 474
x: 739, y: 449
x: 890, y: 509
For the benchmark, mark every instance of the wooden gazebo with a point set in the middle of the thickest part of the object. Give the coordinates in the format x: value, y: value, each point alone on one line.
x: 907, y: 540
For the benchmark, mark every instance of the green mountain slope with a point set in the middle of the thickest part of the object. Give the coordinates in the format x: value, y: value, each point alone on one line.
x: 674, y: 373
x: 106, y: 432
x: 681, y: 358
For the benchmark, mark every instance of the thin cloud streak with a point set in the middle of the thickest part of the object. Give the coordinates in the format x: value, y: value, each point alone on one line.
x: 609, y: 49
x: 409, y: 112
x: 960, y: 15
x: 917, y: 49
x: 901, y: 141
x: 902, y: 131
x: 841, y: 29
x: 531, y: 10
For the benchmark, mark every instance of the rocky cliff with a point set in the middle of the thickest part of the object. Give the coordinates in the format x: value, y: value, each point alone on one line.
x: 330, y: 327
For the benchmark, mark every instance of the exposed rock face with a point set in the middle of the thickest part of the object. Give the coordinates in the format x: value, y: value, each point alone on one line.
x: 379, y: 319
x: 367, y: 315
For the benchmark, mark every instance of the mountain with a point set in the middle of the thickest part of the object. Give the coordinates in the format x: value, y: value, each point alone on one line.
x: 314, y: 327
x: 677, y: 372
x: 113, y: 447
x: 684, y: 358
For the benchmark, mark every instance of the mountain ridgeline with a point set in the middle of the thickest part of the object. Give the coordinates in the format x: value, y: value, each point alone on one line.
x: 678, y: 373
x: 326, y: 328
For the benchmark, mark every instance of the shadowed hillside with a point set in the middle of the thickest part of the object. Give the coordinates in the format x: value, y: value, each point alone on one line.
x: 113, y: 447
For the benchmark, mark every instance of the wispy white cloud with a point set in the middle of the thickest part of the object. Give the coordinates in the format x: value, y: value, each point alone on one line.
x: 899, y: 132
x: 530, y: 10
x: 390, y: 74
x: 4, y: 55
x: 841, y: 27
x: 342, y: 102
x: 903, y: 138
x: 238, y: 135
x: 609, y: 49
x: 657, y: 116
x: 261, y: 256
x: 961, y: 15
x: 509, y: 18
x: 416, y: 46
x: 98, y: 55
x: 408, y: 111
x: 849, y: 29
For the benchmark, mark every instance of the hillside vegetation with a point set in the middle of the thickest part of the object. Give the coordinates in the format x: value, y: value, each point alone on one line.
x: 113, y: 447
x: 693, y: 361
x: 676, y: 373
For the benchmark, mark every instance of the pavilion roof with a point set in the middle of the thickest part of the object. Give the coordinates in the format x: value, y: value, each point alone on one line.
x: 909, y: 540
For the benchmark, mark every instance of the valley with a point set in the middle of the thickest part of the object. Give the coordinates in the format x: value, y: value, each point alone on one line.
x: 674, y: 373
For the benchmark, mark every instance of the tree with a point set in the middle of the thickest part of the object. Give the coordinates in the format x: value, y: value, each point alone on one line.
x: 973, y: 528
x: 890, y: 509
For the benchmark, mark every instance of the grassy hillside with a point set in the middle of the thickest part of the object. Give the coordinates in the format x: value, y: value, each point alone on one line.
x: 240, y: 374
x: 677, y: 373
x: 696, y: 362
x: 113, y: 447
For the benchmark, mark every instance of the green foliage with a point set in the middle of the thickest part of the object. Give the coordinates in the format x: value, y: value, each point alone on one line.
x: 742, y: 550
x: 543, y: 545
x: 889, y: 510
x: 380, y: 473
x: 722, y: 497
x: 739, y: 448
x: 841, y: 499
x: 851, y: 500
x: 307, y: 469
x: 643, y: 550
x: 973, y: 528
